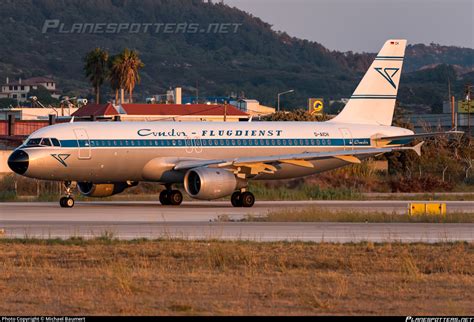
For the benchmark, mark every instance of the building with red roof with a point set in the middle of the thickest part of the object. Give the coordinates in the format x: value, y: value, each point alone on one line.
x: 164, y: 112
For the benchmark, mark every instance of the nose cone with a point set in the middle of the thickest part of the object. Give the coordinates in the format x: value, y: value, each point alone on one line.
x: 18, y: 161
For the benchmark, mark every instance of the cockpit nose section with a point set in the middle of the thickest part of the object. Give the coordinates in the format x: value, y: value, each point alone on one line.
x: 19, y: 161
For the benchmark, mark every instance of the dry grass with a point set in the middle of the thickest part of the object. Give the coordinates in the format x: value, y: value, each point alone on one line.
x: 223, y: 278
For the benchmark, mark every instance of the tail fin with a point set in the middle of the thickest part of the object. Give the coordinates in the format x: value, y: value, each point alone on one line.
x: 373, y: 100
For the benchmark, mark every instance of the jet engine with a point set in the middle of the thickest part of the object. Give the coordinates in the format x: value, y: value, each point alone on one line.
x: 211, y: 183
x: 102, y: 190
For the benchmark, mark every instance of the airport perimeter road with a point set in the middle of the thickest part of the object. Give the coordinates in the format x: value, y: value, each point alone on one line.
x: 196, y: 220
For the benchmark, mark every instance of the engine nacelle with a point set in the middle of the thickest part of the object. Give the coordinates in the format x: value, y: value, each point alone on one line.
x: 102, y: 190
x: 211, y: 183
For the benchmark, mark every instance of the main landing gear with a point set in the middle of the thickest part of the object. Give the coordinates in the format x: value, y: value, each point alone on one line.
x: 67, y: 201
x: 171, y: 197
x: 242, y: 199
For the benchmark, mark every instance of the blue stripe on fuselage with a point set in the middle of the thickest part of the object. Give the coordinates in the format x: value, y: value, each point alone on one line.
x: 118, y: 143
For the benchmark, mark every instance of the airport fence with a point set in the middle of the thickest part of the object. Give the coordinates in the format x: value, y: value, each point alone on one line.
x: 12, y: 186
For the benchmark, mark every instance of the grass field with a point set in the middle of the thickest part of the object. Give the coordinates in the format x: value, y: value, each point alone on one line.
x: 106, y: 276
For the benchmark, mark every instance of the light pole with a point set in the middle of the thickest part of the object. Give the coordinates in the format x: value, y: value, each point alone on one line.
x: 468, y: 100
x: 290, y: 91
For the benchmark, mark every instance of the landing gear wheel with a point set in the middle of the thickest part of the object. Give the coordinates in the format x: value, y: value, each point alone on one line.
x: 66, y: 202
x: 247, y: 199
x: 164, y: 198
x: 236, y: 199
x: 175, y: 197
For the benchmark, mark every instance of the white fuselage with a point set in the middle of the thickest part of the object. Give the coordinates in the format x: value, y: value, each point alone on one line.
x: 103, y: 152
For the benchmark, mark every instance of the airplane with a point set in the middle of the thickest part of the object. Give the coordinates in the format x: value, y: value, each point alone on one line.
x: 218, y: 159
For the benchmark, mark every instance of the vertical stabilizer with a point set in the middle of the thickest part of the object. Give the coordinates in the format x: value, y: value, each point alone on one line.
x: 373, y: 101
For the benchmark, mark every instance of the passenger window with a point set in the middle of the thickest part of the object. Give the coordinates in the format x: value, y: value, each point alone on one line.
x: 45, y: 142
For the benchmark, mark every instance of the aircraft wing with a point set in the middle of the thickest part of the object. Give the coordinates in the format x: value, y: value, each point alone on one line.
x: 418, y: 135
x: 265, y: 164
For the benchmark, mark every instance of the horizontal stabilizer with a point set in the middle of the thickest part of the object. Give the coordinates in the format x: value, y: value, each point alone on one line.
x: 416, y: 148
x: 419, y: 135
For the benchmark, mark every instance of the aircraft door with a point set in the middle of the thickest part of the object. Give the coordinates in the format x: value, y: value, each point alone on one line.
x: 347, y: 138
x: 83, y: 143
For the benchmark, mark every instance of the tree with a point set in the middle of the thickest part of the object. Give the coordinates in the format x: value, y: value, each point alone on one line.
x: 43, y: 96
x: 115, y: 75
x: 124, y: 71
x: 296, y: 115
x: 8, y: 102
x: 96, y: 69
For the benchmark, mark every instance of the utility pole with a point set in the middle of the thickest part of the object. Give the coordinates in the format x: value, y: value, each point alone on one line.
x: 450, y: 104
x: 197, y: 91
x: 468, y: 100
x: 455, y: 114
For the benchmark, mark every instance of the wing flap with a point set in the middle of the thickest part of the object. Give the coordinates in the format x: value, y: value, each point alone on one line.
x: 297, y: 159
x: 348, y: 158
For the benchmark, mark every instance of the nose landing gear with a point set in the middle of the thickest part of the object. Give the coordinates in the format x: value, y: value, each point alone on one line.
x: 67, y: 201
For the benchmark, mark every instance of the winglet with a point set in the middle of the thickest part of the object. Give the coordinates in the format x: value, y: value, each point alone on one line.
x: 417, y: 148
x: 72, y: 120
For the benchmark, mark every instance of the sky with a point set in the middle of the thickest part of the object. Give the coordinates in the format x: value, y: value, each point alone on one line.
x: 364, y: 25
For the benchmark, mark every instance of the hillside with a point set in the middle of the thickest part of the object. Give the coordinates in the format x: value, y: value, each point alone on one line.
x: 255, y: 60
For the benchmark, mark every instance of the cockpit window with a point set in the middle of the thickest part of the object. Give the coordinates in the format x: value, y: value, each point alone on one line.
x: 33, y: 142
x: 45, y: 142
x: 42, y: 142
x: 55, y: 142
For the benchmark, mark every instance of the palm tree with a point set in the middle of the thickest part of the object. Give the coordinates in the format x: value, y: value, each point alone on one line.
x: 115, y: 75
x: 124, y: 71
x: 96, y: 69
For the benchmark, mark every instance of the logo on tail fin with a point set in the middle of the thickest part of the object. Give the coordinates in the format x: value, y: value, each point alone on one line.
x: 388, y: 73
